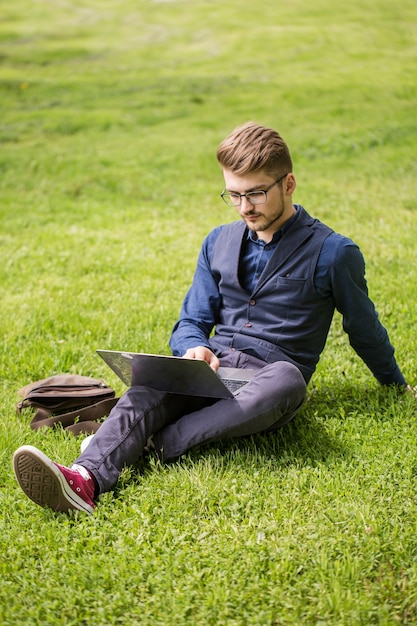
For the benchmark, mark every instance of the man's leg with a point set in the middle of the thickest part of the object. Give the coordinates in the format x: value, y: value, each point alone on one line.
x: 121, y: 439
x: 270, y: 400
x: 177, y: 422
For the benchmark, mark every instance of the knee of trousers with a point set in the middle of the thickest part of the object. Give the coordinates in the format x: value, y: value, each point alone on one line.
x: 282, y: 383
x: 140, y: 398
x: 288, y: 391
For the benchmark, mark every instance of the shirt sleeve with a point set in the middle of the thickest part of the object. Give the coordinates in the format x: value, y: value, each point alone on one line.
x: 199, y: 311
x: 341, y: 274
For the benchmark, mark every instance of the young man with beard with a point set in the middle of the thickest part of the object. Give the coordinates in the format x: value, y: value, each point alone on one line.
x: 268, y: 285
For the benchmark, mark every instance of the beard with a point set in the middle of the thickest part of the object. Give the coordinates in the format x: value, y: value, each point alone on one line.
x: 258, y: 222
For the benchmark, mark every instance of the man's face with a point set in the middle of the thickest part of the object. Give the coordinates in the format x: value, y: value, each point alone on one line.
x: 266, y: 218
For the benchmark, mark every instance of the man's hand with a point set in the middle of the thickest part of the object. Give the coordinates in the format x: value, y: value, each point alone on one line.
x: 413, y: 390
x: 203, y: 354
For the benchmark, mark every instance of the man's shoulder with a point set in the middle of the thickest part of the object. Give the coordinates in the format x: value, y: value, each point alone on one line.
x: 221, y: 237
x: 213, y: 235
x: 225, y: 228
x: 340, y: 242
x: 337, y: 249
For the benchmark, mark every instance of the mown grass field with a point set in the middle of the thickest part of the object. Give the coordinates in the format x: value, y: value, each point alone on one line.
x: 110, y: 115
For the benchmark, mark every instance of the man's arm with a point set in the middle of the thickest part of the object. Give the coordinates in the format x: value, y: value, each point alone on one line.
x: 347, y: 284
x: 199, y: 312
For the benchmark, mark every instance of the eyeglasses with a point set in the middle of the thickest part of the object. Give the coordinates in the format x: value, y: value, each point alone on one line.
x: 260, y: 196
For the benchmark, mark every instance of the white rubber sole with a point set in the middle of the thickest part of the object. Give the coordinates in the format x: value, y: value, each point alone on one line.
x: 44, y: 483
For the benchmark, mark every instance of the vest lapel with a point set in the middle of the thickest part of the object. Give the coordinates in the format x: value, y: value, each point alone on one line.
x: 234, y: 244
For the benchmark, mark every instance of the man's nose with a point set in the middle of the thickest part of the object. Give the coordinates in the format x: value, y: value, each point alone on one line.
x: 245, y: 206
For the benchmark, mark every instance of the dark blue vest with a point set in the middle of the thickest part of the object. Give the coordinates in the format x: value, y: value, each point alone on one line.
x: 282, y: 319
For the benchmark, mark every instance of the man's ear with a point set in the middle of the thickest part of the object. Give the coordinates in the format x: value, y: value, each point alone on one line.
x: 290, y: 184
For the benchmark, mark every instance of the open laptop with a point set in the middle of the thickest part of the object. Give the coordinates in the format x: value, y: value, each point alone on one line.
x: 175, y: 374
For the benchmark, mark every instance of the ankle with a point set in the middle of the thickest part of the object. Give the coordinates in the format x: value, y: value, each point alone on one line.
x: 87, y: 475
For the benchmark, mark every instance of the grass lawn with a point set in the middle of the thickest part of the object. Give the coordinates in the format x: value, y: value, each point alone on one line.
x: 110, y: 115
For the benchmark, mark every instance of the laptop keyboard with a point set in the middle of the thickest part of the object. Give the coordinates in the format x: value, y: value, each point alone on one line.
x: 232, y: 384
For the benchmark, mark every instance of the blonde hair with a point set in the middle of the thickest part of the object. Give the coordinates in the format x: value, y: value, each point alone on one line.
x: 252, y: 147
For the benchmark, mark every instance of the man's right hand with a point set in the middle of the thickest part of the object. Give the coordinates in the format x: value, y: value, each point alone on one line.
x: 203, y: 354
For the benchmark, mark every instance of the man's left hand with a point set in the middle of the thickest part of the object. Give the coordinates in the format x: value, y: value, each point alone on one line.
x: 413, y: 390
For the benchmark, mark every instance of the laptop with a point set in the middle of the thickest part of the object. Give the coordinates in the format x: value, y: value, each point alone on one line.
x: 175, y: 374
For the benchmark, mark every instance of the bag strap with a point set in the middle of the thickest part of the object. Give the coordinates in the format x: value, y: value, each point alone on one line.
x: 43, y: 417
x: 87, y: 428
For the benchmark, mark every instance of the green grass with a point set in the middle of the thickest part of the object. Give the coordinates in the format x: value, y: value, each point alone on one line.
x: 110, y: 115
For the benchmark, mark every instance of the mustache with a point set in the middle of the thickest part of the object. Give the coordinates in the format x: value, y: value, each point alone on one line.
x: 251, y: 213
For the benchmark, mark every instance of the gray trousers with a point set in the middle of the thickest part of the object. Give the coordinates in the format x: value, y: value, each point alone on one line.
x: 177, y: 422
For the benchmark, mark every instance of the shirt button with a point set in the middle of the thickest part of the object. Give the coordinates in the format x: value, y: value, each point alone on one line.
x: 252, y: 302
x: 248, y: 325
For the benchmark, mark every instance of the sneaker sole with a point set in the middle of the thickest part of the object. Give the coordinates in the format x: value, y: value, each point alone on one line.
x: 43, y: 483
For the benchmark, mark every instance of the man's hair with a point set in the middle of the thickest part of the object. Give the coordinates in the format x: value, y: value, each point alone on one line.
x: 252, y: 147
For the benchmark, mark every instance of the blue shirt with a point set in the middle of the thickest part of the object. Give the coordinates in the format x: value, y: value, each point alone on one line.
x: 340, y: 273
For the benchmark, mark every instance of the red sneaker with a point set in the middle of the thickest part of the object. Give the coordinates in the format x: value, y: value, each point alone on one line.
x: 51, y: 485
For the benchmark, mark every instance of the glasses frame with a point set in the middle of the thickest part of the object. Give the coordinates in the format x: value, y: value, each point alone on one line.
x: 247, y: 195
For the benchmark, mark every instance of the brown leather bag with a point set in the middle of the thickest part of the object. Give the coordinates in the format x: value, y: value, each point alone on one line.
x: 73, y: 401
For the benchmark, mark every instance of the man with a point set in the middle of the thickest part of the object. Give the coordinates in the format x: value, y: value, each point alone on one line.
x: 268, y: 285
